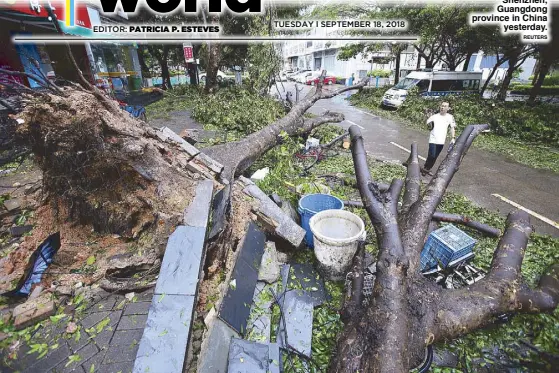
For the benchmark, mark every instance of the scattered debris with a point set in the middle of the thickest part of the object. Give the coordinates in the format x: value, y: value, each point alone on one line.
x: 12, y: 204
x: 235, y: 308
x: 38, y: 263
x: 248, y: 357
x: 269, y: 268
x: 33, y: 311
x: 281, y: 224
x: 18, y: 231
x: 260, y: 174
x: 130, y: 296
x: 36, y: 292
x: 303, y: 276
x: 295, y: 329
x: 71, y: 328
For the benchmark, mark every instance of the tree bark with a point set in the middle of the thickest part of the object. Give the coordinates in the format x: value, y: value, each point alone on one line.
x: 165, y: 75
x: 397, y: 68
x: 145, y: 69
x: 542, y: 72
x: 499, y: 63
x: 467, y: 61
x: 513, y: 60
x: 407, y: 312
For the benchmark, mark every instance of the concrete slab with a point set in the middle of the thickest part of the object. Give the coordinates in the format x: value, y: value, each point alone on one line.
x: 298, y: 315
x: 247, y: 357
x: 180, y: 269
x: 163, y: 345
x: 167, y: 134
x: 235, y: 308
x: 198, y: 212
x: 212, y: 358
x: 286, y: 227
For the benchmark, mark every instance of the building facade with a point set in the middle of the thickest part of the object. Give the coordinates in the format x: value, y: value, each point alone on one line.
x: 323, y: 55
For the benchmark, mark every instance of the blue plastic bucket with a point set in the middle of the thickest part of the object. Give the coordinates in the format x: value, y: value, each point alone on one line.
x: 311, y: 204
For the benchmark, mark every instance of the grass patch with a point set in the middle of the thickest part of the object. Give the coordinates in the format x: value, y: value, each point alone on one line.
x: 527, y: 135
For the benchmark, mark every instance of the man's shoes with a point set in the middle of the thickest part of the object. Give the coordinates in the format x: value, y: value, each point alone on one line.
x: 425, y: 172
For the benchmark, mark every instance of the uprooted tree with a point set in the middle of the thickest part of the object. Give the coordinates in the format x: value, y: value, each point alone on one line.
x: 408, y: 312
x: 104, y: 168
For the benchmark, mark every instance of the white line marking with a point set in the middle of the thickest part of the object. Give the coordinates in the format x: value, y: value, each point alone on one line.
x: 407, y: 150
x: 364, y: 112
x: 355, y: 124
x: 534, y: 214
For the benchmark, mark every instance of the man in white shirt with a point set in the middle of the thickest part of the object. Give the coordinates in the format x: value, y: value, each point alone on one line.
x: 437, y: 138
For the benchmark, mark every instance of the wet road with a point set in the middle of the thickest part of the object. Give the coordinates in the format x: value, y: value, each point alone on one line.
x: 482, y: 174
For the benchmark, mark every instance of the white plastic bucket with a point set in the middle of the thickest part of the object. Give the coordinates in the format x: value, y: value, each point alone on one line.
x: 336, y: 235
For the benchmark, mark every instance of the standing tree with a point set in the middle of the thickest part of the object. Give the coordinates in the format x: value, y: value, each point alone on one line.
x: 548, y: 55
x: 408, y: 312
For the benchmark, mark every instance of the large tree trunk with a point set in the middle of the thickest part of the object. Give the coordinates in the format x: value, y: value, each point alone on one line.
x: 214, y: 59
x: 239, y: 155
x: 397, y: 68
x: 467, y: 61
x: 146, y: 73
x: 502, y: 95
x: 493, y: 71
x: 543, y: 70
x: 407, y: 312
x: 165, y: 75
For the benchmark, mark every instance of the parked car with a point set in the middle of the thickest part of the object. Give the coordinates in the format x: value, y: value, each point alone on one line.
x: 302, y: 78
x: 297, y: 77
x: 220, y: 77
x: 313, y: 80
x: 284, y: 74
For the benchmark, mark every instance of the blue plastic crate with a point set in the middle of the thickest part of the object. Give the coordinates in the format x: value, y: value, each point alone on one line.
x: 444, y: 246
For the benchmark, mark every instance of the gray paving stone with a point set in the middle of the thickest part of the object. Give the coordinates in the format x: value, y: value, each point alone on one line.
x: 76, y: 343
x: 247, y: 357
x: 137, y: 308
x: 105, y: 304
x: 127, y: 337
x: 180, y: 269
x: 163, y: 345
x: 52, y: 359
x: 298, y: 314
x: 96, y: 361
x: 212, y: 358
x: 93, y: 319
x: 103, y: 339
x: 116, y: 368
x: 85, y: 353
x: 145, y: 296
x: 274, y: 358
x: 120, y: 355
x: 132, y: 322
x: 197, y: 213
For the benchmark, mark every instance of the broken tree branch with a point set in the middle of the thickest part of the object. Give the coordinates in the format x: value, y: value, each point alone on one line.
x: 420, y: 214
x: 466, y: 221
x: 449, y: 218
x: 502, y: 291
x: 413, y: 181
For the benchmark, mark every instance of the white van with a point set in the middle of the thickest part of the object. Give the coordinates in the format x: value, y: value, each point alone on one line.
x: 433, y: 84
